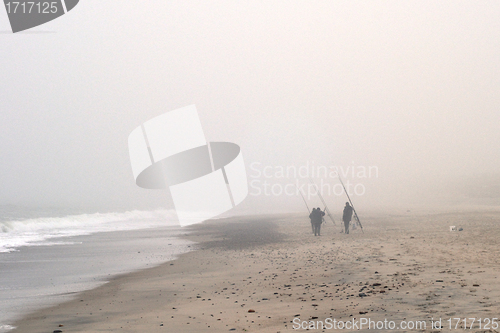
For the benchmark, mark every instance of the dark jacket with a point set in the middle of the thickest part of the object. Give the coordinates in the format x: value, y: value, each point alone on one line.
x: 347, y: 216
x: 316, y: 216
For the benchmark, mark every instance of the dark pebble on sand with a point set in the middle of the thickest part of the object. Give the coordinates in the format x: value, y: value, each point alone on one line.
x: 251, y: 310
x: 57, y: 331
x: 362, y: 295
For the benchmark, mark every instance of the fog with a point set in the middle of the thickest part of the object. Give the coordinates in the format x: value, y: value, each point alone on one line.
x: 409, y: 88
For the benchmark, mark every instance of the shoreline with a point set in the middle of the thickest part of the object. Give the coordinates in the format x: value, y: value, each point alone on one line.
x: 260, y: 273
x: 36, y: 277
x: 199, y: 234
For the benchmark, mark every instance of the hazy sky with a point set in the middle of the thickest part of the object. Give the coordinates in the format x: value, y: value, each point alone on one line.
x: 411, y: 87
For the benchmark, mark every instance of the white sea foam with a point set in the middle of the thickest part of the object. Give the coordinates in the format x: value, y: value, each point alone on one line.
x: 38, y: 231
x: 6, y: 328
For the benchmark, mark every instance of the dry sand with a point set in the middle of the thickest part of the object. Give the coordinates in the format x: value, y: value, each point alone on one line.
x: 403, y: 267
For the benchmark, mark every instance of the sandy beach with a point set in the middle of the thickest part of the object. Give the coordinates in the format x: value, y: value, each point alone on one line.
x: 270, y: 274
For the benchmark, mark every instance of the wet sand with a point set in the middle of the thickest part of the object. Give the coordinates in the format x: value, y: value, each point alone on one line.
x: 259, y: 274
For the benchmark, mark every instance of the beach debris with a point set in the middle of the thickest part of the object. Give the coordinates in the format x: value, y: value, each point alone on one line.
x: 57, y: 331
x: 362, y: 295
x: 251, y: 310
x: 453, y: 228
x: 363, y: 312
x: 461, y: 229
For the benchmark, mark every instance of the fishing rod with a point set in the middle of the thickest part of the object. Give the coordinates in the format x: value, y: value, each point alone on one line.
x: 300, y: 191
x: 323, y: 201
x: 354, y: 210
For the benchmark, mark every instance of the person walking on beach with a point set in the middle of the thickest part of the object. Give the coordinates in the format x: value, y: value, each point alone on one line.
x: 347, y: 216
x: 316, y: 220
x: 312, y: 216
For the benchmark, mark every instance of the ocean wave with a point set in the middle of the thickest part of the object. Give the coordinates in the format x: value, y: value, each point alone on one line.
x: 36, y: 231
x: 6, y: 328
